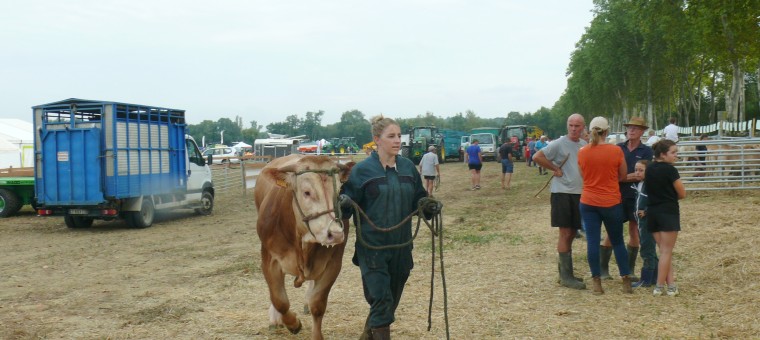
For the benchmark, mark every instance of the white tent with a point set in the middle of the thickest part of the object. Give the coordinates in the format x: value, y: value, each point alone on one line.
x: 241, y: 145
x: 10, y: 155
x: 16, y: 143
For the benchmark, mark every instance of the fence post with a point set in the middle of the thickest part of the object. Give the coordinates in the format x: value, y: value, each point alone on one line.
x: 242, y: 175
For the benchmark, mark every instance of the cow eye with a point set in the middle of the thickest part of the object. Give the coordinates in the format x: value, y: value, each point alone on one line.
x: 307, y: 193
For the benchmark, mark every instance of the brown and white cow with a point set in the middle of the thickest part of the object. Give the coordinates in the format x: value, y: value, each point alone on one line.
x: 300, y: 233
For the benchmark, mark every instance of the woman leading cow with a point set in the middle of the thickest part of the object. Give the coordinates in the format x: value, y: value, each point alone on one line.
x: 388, y: 188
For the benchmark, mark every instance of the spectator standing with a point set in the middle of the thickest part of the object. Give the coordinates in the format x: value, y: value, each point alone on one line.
x: 648, y: 245
x: 634, y: 151
x: 540, y: 145
x: 602, y: 168
x: 664, y: 188
x: 429, y: 169
x: 531, y: 151
x: 474, y: 159
x: 561, y: 157
x: 507, y: 167
x: 653, y: 138
x: 671, y: 131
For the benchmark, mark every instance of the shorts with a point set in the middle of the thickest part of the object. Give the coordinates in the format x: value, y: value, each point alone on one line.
x: 476, y: 167
x: 430, y: 178
x: 507, y: 167
x: 663, y: 221
x: 629, y: 209
x: 566, y: 211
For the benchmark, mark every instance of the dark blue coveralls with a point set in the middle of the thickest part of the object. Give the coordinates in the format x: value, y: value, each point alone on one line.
x: 387, y: 196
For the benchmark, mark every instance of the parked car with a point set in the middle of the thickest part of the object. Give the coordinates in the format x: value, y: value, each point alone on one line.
x: 222, y: 155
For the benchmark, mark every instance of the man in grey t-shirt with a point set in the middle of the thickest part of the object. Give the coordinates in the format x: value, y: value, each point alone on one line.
x: 561, y: 158
x: 429, y: 169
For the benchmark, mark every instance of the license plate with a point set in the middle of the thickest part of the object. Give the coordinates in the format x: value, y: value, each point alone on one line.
x: 78, y: 211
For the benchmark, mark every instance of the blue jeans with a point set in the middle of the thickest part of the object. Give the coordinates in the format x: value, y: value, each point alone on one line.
x: 613, y: 222
x: 648, y: 245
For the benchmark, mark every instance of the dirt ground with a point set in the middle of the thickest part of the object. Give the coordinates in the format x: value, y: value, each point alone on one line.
x: 195, y: 277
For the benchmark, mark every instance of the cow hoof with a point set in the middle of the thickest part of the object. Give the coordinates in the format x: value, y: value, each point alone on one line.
x: 298, y: 282
x: 297, y: 329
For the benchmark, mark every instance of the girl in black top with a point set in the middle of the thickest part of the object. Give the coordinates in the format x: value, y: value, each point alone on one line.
x: 665, y: 188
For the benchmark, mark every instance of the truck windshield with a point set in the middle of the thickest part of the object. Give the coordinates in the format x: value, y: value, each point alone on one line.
x: 517, y: 132
x: 486, y: 138
x: 423, y: 133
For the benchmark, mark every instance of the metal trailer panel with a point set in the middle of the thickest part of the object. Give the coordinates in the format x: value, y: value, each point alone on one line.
x: 115, y: 151
x: 71, y: 172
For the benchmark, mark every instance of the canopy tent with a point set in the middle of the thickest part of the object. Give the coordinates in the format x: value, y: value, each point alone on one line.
x: 10, y: 155
x: 241, y: 145
x: 16, y: 143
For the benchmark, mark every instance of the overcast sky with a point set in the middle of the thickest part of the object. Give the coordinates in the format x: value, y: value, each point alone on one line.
x: 265, y: 60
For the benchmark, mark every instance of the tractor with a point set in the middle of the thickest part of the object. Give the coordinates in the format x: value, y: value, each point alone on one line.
x: 421, y: 137
x: 518, y: 135
x: 348, y: 145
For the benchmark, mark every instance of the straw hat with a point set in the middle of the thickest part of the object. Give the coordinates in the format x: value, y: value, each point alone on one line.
x: 637, y: 121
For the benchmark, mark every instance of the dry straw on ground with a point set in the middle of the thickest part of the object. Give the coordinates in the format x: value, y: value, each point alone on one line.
x: 198, y: 277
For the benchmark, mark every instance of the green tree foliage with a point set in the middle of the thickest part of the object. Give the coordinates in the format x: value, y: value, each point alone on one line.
x: 658, y: 59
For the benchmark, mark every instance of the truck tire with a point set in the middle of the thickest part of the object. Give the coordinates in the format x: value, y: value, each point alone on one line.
x: 405, y: 151
x: 207, y: 204
x: 10, y: 203
x: 78, y: 222
x: 143, y: 218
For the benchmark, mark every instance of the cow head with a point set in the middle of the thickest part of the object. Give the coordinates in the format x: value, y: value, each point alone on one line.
x: 315, y: 181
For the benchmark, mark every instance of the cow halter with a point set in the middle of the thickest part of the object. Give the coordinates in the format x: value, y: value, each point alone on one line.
x: 306, y: 218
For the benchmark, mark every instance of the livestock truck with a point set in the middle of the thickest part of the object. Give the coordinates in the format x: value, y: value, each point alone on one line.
x: 108, y: 160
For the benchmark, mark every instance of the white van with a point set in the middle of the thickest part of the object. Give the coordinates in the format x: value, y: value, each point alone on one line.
x: 487, y: 143
x: 222, y: 155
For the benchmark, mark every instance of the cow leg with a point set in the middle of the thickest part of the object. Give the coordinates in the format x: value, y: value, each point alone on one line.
x: 320, y: 290
x: 279, y: 310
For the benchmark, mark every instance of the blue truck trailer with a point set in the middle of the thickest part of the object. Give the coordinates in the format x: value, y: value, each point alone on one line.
x: 108, y: 160
x: 451, y: 142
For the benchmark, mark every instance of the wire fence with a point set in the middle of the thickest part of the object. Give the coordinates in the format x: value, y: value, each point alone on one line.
x: 725, y: 164
x: 240, y: 177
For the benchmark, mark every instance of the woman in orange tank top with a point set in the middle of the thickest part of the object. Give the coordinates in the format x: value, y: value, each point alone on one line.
x: 602, y: 167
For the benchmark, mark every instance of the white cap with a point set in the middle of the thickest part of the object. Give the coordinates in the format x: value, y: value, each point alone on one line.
x: 599, y: 123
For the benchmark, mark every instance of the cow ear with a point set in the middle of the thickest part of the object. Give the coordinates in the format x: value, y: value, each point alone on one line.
x: 280, y: 177
x: 345, y: 170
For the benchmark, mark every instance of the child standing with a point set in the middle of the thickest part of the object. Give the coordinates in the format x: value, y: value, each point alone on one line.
x: 648, y: 251
x: 665, y: 188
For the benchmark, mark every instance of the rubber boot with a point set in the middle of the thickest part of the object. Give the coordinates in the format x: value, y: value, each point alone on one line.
x: 559, y: 278
x: 604, y: 260
x: 566, y: 272
x: 597, y: 286
x: 633, y: 253
x: 366, y: 332
x: 382, y: 333
x: 627, y: 284
x: 647, y: 276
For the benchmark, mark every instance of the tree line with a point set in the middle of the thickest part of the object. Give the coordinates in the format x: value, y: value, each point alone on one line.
x: 696, y: 60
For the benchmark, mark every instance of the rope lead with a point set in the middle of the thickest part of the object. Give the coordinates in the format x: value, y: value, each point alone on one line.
x: 436, y: 230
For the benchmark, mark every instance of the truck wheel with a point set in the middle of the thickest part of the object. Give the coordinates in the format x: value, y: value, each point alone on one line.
x: 10, y: 203
x: 405, y: 151
x: 207, y: 204
x: 77, y: 222
x: 144, y: 217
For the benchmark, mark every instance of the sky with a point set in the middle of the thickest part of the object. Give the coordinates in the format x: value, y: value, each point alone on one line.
x: 266, y: 60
